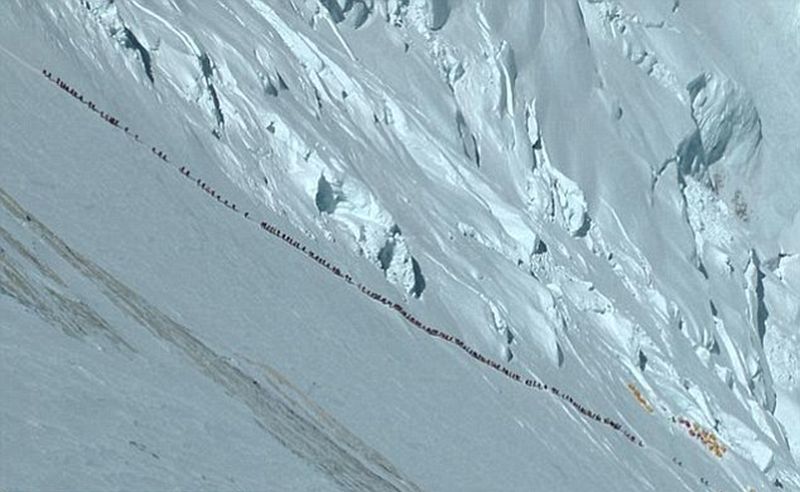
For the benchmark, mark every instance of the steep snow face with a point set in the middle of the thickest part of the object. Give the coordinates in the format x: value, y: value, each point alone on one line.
x: 599, y: 193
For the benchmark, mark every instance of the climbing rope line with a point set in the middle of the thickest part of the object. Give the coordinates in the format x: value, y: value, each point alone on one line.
x: 273, y: 230
x: 19, y: 60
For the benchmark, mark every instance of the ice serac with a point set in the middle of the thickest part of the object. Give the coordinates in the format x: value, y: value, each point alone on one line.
x: 595, y: 194
x: 439, y: 11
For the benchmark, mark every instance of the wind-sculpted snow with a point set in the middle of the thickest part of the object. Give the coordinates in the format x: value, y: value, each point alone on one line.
x: 593, y: 193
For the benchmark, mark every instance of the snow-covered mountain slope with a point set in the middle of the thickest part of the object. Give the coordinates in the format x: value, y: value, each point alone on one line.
x: 598, y: 195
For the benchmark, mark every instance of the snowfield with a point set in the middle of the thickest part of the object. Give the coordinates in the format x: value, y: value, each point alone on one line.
x: 399, y: 245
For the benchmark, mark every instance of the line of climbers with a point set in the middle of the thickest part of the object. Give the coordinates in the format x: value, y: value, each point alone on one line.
x: 275, y: 231
x: 210, y: 191
x: 373, y: 295
x: 113, y: 121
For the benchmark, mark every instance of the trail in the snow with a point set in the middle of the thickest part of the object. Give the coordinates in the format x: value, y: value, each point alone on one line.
x: 528, y: 382
x: 47, y: 295
x: 302, y: 428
